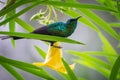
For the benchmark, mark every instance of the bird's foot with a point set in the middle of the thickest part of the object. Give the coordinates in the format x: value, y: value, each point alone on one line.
x: 57, y: 46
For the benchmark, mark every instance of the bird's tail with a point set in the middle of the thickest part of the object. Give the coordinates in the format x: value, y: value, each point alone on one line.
x: 4, y: 37
x: 8, y: 37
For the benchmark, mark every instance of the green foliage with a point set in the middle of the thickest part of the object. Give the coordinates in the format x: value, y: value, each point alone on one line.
x: 107, y: 48
x: 77, y: 5
x: 103, y: 24
x: 115, y: 24
x: 115, y: 69
x: 18, y: 14
x: 25, y: 66
x: 40, y: 51
x: 24, y: 25
x: 69, y: 71
x: 92, y: 62
x: 41, y: 37
x: 12, y: 22
x: 12, y: 71
x: 72, y: 8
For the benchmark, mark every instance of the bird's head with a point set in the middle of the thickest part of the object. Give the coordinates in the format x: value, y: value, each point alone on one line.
x: 73, y: 21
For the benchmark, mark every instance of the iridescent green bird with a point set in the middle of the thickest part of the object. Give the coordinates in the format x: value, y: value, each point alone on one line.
x: 60, y: 29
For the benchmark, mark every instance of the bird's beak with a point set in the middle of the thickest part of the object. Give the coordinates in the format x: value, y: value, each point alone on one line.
x: 78, y: 17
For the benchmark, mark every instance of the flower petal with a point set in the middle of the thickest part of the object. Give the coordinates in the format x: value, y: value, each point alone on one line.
x: 54, y: 59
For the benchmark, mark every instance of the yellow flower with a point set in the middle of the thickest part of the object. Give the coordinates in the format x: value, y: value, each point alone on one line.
x: 54, y: 59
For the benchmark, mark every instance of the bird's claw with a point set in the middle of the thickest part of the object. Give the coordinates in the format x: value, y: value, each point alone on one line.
x: 57, y: 46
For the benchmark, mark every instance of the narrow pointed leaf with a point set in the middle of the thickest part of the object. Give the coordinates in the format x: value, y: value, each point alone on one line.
x: 13, y: 6
x: 18, y: 14
x: 65, y: 76
x: 99, y: 21
x: 77, y: 5
x: 109, y: 4
x: 88, y: 58
x: 16, y: 63
x: 118, y: 5
x: 40, y: 51
x: 92, y: 63
x: 24, y: 24
x: 115, y: 69
x: 97, y: 53
x: 89, y: 64
x: 12, y: 71
x: 35, y: 3
x: 41, y: 37
x: 69, y: 71
x: 107, y: 48
x: 116, y: 25
x: 12, y: 25
x: 26, y: 67
x: 36, y: 72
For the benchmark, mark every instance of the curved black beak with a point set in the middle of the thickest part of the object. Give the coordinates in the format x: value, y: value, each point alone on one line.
x: 78, y: 17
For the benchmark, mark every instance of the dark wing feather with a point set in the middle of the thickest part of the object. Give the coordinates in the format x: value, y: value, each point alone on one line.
x: 41, y: 30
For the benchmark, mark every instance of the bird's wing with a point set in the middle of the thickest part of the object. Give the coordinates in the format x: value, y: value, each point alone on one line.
x: 41, y: 30
x: 54, y: 29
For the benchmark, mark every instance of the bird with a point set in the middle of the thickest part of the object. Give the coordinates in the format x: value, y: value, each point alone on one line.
x: 61, y: 29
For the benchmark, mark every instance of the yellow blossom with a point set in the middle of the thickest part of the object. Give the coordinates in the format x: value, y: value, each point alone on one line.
x: 54, y: 59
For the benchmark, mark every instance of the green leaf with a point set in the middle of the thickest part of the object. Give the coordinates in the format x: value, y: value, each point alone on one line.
x: 90, y: 64
x: 36, y: 72
x: 88, y: 58
x: 99, y: 21
x: 13, y: 42
x: 40, y: 51
x: 118, y: 5
x: 12, y: 71
x: 24, y: 25
x: 26, y: 67
x: 107, y: 48
x: 65, y: 76
x: 118, y: 8
x: 35, y: 3
x: 9, y: 3
x: 77, y: 5
x: 109, y: 4
x: 18, y: 14
x: 41, y: 37
x: 13, y: 6
x: 16, y: 63
x: 115, y: 69
x: 69, y: 71
x: 11, y: 25
x: 97, y: 53
x: 70, y: 0
x: 81, y: 79
x: 116, y: 25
